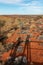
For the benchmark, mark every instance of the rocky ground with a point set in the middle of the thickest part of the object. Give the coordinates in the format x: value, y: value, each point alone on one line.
x: 9, y: 23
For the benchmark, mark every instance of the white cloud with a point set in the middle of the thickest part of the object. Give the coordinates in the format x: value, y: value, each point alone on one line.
x: 10, y: 1
x: 32, y: 7
x: 31, y: 3
x: 32, y: 10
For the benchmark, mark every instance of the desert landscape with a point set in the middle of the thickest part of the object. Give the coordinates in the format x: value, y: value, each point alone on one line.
x: 14, y: 26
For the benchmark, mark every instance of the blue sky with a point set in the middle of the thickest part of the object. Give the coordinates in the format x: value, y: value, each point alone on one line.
x: 21, y: 7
